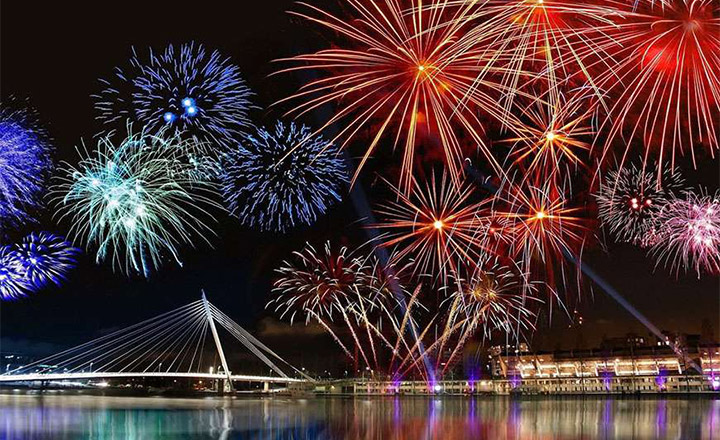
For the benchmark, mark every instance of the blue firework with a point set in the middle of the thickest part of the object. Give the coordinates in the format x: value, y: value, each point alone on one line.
x: 279, y: 179
x: 198, y: 93
x: 24, y: 165
x: 13, y: 283
x: 45, y: 258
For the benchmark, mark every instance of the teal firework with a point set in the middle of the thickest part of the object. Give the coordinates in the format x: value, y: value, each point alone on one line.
x: 136, y: 203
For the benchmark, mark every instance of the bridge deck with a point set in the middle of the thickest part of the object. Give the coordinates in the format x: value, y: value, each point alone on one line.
x: 120, y: 375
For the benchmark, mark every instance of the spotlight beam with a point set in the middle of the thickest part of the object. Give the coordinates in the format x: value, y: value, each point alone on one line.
x: 614, y: 294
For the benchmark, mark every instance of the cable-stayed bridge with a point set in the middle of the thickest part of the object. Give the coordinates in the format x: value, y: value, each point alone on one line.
x: 172, y: 345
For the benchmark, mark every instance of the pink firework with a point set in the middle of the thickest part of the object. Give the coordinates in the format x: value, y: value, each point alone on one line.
x: 690, y: 234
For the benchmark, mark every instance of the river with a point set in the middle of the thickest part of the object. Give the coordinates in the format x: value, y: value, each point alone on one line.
x: 68, y: 416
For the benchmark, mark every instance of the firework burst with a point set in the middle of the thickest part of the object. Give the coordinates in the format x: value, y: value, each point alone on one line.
x: 269, y: 184
x: 433, y: 226
x: 667, y: 87
x: 549, y: 232
x: 317, y: 284
x: 553, y: 137
x: 689, y: 234
x: 545, y: 225
x: 630, y: 199
x: 45, y: 258
x: 134, y: 201
x: 186, y: 90
x: 495, y: 296
x: 328, y: 284
x: 402, y: 73
x: 24, y: 165
x: 13, y: 283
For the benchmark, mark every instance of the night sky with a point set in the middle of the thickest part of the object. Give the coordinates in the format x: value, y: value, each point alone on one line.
x: 53, y: 53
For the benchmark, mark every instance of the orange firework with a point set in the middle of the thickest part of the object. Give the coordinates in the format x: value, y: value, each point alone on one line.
x: 549, y: 232
x: 553, y: 135
x: 404, y: 70
x: 667, y: 88
x: 433, y: 226
x: 494, y: 296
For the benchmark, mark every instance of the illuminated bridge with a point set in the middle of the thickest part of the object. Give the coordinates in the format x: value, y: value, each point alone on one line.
x: 173, y: 345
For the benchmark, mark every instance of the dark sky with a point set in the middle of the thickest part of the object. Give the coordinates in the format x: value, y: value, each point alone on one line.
x: 54, y: 53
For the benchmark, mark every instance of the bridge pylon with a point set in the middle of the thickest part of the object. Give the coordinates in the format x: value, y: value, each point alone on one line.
x: 228, y: 386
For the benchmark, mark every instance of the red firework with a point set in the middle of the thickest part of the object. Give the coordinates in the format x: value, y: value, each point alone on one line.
x: 666, y: 89
x: 553, y: 137
x: 542, y: 42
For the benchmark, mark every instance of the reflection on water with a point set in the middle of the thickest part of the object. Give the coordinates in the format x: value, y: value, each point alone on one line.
x: 88, y: 417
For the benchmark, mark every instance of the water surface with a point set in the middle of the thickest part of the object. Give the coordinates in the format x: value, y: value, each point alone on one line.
x: 63, y: 416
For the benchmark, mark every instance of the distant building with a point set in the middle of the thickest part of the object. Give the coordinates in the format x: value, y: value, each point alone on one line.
x: 591, y: 363
x: 631, y: 363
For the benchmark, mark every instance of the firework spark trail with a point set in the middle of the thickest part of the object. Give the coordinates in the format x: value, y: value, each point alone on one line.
x: 135, y: 201
x: 630, y: 198
x: 24, y: 164
x: 266, y: 191
x: 403, y: 327
x: 400, y: 69
x: 689, y: 231
x: 666, y: 88
x: 559, y: 41
x: 186, y: 91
